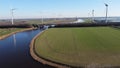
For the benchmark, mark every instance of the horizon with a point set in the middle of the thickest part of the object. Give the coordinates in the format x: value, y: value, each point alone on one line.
x: 111, y: 17
x: 57, y: 9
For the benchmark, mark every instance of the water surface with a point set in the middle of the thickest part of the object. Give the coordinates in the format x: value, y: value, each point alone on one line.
x: 15, y: 51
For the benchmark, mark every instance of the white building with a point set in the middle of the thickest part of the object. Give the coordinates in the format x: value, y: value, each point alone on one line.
x: 79, y: 21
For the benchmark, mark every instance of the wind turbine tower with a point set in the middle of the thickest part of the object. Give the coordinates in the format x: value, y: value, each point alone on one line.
x: 106, y: 13
x: 93, y: 15
x: 12, y: 14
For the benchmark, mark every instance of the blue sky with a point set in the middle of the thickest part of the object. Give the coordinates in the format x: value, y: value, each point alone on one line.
x: 57, y: 8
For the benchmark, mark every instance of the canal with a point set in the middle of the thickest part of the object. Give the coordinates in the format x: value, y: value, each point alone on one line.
x: 15, y: 51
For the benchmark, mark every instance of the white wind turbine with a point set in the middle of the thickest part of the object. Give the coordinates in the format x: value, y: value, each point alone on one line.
x: 12, y: 15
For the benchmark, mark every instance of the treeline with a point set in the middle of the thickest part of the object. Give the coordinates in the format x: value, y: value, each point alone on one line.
x: 87, y: 24
x: 16, y: 26
x: 20, y: 24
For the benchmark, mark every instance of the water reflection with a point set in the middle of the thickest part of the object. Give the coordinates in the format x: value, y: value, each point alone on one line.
x: 14, y: 40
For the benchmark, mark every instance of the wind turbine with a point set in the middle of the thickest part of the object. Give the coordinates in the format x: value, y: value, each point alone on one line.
x: 106, y: 12
x: 12, y: 14
x: 93, y: 15
x: 42, y: 19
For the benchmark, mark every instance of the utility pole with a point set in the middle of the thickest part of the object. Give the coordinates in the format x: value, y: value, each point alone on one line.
x: 106, y: 13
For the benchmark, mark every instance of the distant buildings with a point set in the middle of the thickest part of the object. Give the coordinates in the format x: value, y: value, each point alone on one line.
x: 79, y: 21
x: 109, y: 19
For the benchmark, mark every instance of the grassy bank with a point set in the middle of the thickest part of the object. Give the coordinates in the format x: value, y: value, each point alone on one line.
x: 8, y: 31
x: 80, y: 46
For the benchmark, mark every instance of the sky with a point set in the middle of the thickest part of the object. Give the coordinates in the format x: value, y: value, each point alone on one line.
x: 58, y: 8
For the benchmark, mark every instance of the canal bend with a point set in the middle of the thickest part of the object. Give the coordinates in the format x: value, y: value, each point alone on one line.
x: 15, y: 51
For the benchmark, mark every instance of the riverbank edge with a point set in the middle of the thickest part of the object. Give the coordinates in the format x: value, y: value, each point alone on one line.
x: 39, y: 59
x: 7, y: 35
x: 47, y: 62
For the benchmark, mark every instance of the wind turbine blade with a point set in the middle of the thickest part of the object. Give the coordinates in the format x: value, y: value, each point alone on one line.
x: 106, y: 4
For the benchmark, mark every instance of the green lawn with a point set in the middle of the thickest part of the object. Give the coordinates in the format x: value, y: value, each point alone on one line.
x: 80, y: 46
x: 9, y: 30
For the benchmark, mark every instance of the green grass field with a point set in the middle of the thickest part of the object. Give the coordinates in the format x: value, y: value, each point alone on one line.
x: 9, y: 30
x: 49, y: 21
x: 80, y: 46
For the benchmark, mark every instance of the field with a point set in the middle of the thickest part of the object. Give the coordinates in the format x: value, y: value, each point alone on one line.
x: 39, y: 21
x: 50, y: 21
x: 80, y: 46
